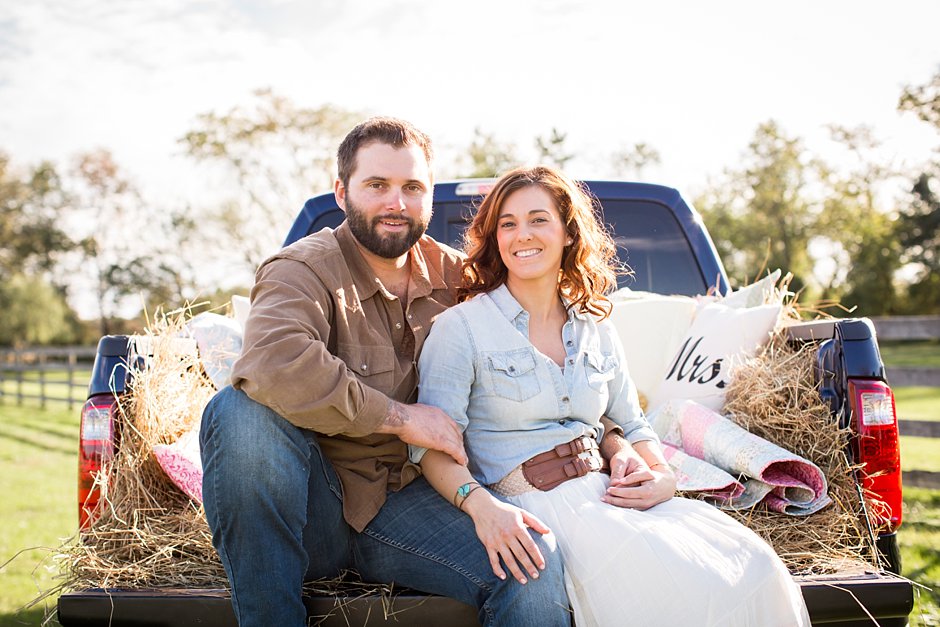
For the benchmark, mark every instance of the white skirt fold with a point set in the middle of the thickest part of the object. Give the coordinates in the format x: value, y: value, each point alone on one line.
x: 682, y: 562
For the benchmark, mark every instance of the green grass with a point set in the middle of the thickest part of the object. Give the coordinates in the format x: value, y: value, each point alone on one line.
x: 917, y: 403
x: 920, y: 453
x: 38, y: 475
x: 924, y: 353
x: 919, y: 539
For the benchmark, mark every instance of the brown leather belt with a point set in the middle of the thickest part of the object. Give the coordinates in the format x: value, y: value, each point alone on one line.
x: 552, y: 468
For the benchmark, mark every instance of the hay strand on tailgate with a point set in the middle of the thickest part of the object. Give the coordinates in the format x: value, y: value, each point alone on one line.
x: 147, y: 532
x: 774, y: 395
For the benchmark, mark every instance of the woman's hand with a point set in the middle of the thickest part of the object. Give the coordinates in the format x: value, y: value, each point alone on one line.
x: 642, y: 489
x: 504, y: 531
x: 635, y: 485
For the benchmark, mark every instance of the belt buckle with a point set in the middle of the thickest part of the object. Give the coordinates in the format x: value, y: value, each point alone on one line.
x: 590, y: 459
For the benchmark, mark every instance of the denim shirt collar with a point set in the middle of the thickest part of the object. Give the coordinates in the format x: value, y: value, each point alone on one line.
x: 516, y: 314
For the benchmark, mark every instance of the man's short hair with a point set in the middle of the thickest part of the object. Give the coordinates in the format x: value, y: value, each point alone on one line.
x: 391, y: 131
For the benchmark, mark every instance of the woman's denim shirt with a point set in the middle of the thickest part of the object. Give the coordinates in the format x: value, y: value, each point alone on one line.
x: 513, y: 402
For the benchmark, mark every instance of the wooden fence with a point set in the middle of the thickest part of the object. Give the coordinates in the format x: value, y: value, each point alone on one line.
x: 913, y: 328
x: 37, y: 374
x: 57, y: 374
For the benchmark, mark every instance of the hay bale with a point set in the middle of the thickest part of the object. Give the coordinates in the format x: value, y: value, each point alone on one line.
x: 775, y: 395
x: 147, y: 532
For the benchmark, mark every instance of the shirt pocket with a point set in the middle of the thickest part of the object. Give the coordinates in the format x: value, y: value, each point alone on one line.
x: 599, y: 370
x: 513, y: 374
x: 373, y: 365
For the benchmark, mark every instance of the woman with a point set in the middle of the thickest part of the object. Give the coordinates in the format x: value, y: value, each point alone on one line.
x: 527, y: 365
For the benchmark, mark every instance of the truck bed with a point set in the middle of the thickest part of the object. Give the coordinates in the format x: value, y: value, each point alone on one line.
x: 831, y: 599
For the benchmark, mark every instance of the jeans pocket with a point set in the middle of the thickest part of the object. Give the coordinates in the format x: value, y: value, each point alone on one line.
x: 513, y: 374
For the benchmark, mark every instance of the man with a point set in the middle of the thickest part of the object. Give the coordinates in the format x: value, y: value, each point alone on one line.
x: 305, y: 459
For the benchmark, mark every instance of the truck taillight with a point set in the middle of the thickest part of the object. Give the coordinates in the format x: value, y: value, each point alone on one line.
x: 96, y: 446
x: 877, y: 448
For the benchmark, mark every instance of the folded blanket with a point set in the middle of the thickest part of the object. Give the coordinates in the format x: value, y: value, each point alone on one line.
x: 182, y: 463
x: 735, y: 468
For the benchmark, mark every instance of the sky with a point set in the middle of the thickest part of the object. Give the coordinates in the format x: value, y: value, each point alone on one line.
x: 691, y: 79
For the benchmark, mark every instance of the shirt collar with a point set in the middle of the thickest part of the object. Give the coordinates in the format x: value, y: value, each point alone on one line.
x: 424, y: 277
x: 511, y: 308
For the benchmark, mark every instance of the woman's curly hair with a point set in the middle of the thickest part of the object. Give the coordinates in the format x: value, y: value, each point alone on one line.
x: 589, y: 266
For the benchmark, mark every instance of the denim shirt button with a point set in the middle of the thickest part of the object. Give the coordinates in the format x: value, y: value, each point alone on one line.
x: 570, y: 343
x: 565, y: 399
x: 570, y: 362
x: 562, y: 421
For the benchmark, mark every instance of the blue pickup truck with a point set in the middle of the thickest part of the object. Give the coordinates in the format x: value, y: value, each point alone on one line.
x: 664, y: 241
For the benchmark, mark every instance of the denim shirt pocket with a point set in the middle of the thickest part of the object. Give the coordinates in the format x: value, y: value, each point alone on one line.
x: 513, y: 374
x: 599, y: 369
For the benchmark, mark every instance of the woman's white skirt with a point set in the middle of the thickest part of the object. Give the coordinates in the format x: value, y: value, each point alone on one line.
x: 683, y: 562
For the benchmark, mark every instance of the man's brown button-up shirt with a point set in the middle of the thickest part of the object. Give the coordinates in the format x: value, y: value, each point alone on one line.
x: 326, y: 346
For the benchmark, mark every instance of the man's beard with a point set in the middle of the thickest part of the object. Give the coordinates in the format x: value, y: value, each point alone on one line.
x: 389, y: 246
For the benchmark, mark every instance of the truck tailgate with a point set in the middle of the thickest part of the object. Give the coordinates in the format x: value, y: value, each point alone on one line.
x: 832, y: 600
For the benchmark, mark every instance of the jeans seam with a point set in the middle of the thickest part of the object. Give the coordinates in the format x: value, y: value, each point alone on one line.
x: 223, y: 553
x: 430, y: 556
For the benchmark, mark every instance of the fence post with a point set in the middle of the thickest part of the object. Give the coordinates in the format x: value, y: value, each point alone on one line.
x: 18, y: 364
x: 70, y: 369
x: 41, y: 362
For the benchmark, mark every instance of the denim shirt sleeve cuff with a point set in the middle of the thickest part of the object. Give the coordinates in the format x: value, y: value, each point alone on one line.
x: 641, y: 434
x: 415, y: 453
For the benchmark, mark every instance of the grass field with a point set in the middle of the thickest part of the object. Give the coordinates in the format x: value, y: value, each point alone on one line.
x: 924, y: 353
x: 38, y: 512
x: 918, y: 403
x: 38, y: 476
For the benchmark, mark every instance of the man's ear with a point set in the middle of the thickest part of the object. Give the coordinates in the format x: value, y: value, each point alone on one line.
x: 339, y: 191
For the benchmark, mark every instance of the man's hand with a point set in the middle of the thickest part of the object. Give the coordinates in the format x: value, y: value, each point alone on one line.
x: 425, y: 426
x: 635, y: 485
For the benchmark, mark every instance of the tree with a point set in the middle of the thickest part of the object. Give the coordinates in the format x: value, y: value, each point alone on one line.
x: 760, y: 217
x: 552, y: 149
x: 275, y: 155
x: 919, y: 221
x: 34, y: 312
x: 923, y: 100
x: 632, y: 161
x: 866, y: 232
x: 32, y: 202
x: 125, y: 245
x: 489, y: 157
x: 919, y: 230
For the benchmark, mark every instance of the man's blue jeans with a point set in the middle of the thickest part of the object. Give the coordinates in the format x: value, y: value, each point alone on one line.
x: 274, y: 505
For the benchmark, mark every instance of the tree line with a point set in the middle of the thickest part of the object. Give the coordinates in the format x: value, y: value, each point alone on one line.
x: 864, y: 237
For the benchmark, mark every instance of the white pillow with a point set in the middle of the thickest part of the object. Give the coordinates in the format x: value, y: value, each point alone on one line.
x: 651, y: 328
x: 756, y: 294
x: 241, y: 305
x: 220, y: 341
x: 719, y: 335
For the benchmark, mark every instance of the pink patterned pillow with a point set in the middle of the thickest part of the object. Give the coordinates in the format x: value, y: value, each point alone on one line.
x: 182, y: 463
